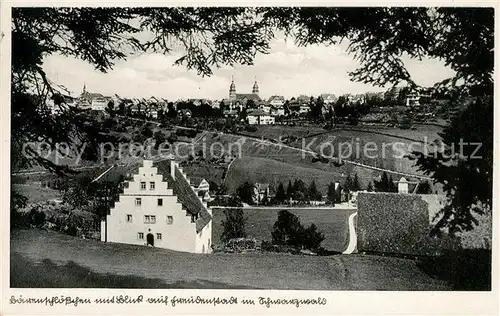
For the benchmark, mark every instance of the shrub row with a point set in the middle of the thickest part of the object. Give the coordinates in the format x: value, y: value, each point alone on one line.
x: 399, y: 224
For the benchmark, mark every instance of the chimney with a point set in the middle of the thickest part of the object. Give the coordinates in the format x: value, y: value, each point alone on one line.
x: 172, y: 168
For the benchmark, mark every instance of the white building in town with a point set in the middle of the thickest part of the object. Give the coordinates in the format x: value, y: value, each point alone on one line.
x: 160, y: 208
x: 259, y: 117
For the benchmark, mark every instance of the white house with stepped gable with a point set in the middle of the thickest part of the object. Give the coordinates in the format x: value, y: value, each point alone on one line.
x: 160, y: 208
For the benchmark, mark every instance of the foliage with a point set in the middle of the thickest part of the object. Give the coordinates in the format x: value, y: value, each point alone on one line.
x: 369, y: 188
x: 159, y: 139
x: 246, y: 193
x: 289, y: 231
x: 313, y: 192
x: 289, y: 190
x: 61, y: 217
x: 331, y: 193
x: 424, y: 187
x: 299, y: 190
x: 280, y: 194
x: 352, y: 184
x: 233, y: 225
x: 466, y: 175
x: 386, y: 184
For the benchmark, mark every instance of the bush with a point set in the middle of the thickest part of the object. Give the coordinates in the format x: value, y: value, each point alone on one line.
x: 60, y: 217
x: 400, y: 224
x: 233, y: 225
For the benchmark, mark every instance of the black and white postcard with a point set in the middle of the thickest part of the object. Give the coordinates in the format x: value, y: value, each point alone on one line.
x: 248, y: 158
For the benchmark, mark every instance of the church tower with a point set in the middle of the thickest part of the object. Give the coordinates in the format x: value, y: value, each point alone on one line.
x: 255, y: 89
x: 232, y: 90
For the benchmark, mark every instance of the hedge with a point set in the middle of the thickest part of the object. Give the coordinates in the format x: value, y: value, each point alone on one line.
x: 401, y: 223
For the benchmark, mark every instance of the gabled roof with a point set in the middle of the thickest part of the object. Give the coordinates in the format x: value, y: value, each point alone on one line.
x: 90, y: 95
x: 181, y: 187
x: 196, y: 181
x: 277, y: 97
x: 248, y: 96
x: 185, y: 194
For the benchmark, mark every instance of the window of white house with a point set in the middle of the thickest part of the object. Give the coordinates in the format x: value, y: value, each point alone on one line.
x: 138, y: 201
x: 129, y: 218
x: 143, y: 185
x: 140, y: 236
x: 160, y: 202
x: 158, y: 236
x: 151, y: 185
x: 170, y: 220
x: 149, y: 219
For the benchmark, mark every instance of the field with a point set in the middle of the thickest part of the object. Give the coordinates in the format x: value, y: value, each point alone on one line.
x: 270, y: 171
x: 47, y: 259
x: 332, y: 223
x: 279, y: 163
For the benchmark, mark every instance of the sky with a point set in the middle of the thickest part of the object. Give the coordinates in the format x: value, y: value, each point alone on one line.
x: 287, y: 70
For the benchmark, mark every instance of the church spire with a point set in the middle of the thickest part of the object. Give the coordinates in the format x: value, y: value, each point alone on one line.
x: 232, y: 89
x: 255, y: 89
x: 84, y: 88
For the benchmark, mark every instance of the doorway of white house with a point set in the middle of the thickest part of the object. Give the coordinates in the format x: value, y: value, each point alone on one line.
x: 150, y: 239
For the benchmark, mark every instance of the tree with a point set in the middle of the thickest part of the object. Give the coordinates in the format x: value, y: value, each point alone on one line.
x: 299, y: 190
x: 146, y: 131
x: 280, y: 194
x: 424, y: 187
x: 121, y: 108
x: 250, y: 104
x: 222, y: 190
x: 110, y: 108
x: 159, y: 139
x: 289, y: 190
x: 246, y: 192
x: 355, y: 186
x: 369, y: 188
x: 385, y: 184
x: 288, y: 230
x: 77, y: 191
x: 222, y: 107
x: 348, y: 182
x: 233, y: 226
x: 312, y: 238
x: 466, y: 175
x: 171, y: 112
x: 313, y: 193
x: 331, y: 193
